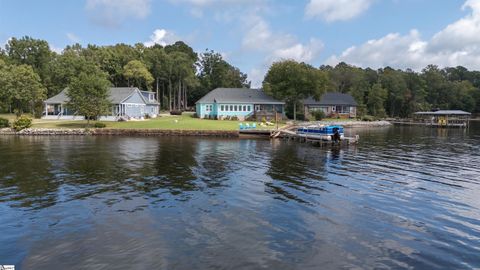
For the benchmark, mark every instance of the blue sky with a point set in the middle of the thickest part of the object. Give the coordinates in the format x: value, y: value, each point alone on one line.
x: 251, y: 34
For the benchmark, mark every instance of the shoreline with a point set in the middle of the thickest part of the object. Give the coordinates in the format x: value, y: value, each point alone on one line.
x: 168, y: 132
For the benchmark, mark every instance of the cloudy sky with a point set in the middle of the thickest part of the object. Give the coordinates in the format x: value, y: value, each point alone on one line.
x: 251, y: 34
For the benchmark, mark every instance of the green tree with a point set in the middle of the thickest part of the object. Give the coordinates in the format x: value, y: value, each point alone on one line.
x: 29, y: 51
x: 292, y: 81
x: 377, y: 95
x: 137, y: 74
x: 216, y: 72
x: 21, y: 88
x: 88, y: 94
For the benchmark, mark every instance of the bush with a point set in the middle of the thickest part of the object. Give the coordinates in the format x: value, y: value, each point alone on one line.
x: 147, y: 116
x: 318, y: 115
x: 368, y: 118
x: 4, y: 123
x: 176, y: 112
x: 234, y: 118
x: 99, y: 125
x: 22, y: 123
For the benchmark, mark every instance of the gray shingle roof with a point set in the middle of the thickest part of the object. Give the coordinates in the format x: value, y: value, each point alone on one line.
x: 444, y: 112
x: 117, y: 95
x: 238, y: 95
x: 332, y: 98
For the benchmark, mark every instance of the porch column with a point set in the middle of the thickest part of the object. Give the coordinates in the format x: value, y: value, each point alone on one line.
x: 46, y: 109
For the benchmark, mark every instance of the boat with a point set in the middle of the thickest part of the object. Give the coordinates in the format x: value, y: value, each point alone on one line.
x: 320, y: 132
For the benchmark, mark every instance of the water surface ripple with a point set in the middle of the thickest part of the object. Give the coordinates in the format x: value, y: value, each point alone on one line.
x: 403, y: 198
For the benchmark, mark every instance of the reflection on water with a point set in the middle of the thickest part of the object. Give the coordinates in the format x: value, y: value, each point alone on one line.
x: 405, y: 197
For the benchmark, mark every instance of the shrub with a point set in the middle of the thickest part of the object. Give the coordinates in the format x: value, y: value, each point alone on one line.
x: 234, y: 118
x: 368, y: 118
x: 195, y: 115
x: 4, y: 123
x: 22, y: 123
x: 99, y: 125
x: 176, y: 112
x: 318, y: 115
x: 147, y: 116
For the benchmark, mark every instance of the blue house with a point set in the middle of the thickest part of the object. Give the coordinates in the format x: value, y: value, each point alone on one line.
x: 126, y: 103
x: 240, y: 103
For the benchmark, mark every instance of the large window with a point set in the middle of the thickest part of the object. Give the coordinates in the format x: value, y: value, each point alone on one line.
x: 248, y: 108
x: 221, y: 108
x: 231, y: 108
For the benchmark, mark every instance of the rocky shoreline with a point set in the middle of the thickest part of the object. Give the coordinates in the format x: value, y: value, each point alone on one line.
x: 118, y: 132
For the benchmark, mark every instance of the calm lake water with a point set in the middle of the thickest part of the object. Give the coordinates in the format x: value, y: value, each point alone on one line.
x: 403, y: 198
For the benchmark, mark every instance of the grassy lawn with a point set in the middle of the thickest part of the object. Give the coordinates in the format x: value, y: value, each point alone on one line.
x: 10, y: 117
x: 183, y: 122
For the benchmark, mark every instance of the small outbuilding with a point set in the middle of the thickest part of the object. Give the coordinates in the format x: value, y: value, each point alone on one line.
x: 333, y: 104
x: 127, y: 103
x: 239, y: 103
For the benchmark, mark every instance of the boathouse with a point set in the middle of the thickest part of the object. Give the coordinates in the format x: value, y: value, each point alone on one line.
x: 126, y: 103
x: 443, y: 118
x: 333, y: 104
x: 239, y: 103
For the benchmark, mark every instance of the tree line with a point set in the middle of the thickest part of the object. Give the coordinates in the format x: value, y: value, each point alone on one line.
x: 30, y: 72
x: 385, y: 92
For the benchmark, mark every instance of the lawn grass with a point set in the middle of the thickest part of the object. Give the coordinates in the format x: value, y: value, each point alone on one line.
x: 10, y: 117
x: 184, y: 122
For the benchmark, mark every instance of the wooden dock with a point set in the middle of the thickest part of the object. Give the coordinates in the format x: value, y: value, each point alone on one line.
x: 289, y: 135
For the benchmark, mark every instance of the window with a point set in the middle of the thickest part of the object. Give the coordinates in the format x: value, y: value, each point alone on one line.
x: 221, y: 108
x: 235, y: 108
x: 244, y: 108
x: 248, y: 108
x: 231, y: 108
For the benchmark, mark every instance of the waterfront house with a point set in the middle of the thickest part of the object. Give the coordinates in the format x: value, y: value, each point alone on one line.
x: 126, y: 103
x: 239, y: 103
x: 333, y: 104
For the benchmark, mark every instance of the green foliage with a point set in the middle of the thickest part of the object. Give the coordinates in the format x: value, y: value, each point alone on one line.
x: 137, y: 74
x: 22, y: 122
x: 99, y: 125
x: 377, y: 95
x: 88, y: 94
x: 368, y: 118
x: 4, y: 123
x: 216, y: 72
x: 21, y: 87
x: 176, y: 112
x: 318, y: 115
x: 292, y: 81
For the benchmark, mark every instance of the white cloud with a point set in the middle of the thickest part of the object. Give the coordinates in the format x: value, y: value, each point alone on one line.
x: 161, y: 37
x: 114, y: 12
x: 73, y: 38
x: 300, y: 52
x: 457, y: 44
x: 259, y: 38
x: 336, y: 10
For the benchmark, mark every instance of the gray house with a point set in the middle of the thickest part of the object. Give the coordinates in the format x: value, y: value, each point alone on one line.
x: 333, y: 104
x: 127, y: 103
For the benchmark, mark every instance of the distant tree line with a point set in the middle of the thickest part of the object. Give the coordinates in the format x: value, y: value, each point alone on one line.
x: 30, y: 72
x: 385, y: 92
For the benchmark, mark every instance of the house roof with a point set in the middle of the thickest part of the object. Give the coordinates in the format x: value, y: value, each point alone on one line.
x: 238, y: 95
x: 332, y: 98
x: 444, y: 112
x: 116, y: 94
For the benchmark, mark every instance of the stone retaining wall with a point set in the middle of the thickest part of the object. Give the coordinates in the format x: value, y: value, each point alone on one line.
x: 121, y: 132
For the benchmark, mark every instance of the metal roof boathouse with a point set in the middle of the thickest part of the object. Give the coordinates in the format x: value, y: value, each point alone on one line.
x: 443, y: 118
